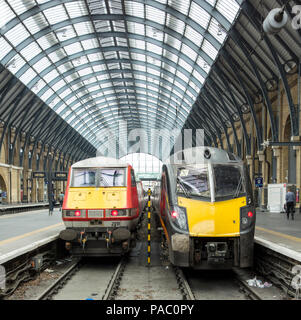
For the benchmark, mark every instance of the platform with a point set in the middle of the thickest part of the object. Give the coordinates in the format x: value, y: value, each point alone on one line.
x: 23, y: 232
x: 21, y: 207
x: 275, y: 232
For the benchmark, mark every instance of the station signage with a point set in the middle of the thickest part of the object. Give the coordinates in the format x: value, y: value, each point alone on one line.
x: 38, y: 175
x: 259, y: 182
x: 60, y: 176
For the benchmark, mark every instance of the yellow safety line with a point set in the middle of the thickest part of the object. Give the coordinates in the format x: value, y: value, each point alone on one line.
x: 30, y: 233
x: 282, y: 235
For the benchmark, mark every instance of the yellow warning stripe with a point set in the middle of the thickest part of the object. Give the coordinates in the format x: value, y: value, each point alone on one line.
x: 30, y: 233
x: 279, y: 234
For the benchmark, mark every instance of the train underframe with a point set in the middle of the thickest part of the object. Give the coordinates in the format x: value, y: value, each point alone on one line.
x: 98, y: 241
x: 212, y: 253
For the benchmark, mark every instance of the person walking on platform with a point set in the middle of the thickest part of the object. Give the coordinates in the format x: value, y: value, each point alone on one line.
x: 61, y: 198
x: 51, y: 204
x: 290, y: 204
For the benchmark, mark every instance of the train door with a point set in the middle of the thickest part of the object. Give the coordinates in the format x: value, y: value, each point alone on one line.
x: 134, y: 193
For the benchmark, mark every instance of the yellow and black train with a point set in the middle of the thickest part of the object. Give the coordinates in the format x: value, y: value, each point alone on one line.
x: 206, y: 209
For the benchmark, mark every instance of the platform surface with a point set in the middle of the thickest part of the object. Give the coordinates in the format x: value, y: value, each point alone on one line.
x: 276, y: 232
x: 22, y: 232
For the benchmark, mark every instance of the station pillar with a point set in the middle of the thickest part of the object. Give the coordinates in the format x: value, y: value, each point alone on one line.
x: 34, y: 195
x: 264, y: 170
x: 250, y: 164
x: 277, y: 154
x: 298, y: 169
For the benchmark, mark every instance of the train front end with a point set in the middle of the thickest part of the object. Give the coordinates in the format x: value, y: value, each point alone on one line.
x: 100, y: 210
x: 210, y: 215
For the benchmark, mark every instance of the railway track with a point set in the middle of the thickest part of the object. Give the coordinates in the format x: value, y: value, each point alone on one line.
x: 60, y: 282
x: 82, y: 281
x: 183, y: 285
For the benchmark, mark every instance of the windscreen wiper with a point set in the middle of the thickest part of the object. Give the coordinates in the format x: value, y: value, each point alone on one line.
x: 183, y: 187
x: 238, y: 188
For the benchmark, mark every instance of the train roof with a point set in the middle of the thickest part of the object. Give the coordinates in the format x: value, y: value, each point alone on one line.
x: 100, y: 162
x: 200, y: 155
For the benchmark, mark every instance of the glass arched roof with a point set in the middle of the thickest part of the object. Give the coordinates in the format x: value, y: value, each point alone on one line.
x: 95, y: 62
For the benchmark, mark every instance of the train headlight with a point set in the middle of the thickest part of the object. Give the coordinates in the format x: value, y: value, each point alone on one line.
x: 244, y: 221
x: 74, y: 213
x: 178, y: 216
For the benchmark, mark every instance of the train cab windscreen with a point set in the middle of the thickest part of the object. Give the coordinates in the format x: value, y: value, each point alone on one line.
x: 229, y: 181
x: 193, y: 182
x: 95, y: 177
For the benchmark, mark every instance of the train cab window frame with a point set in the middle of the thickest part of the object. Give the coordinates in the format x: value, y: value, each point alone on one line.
x: 107, y: 182
x: 99, y: 180
x: 85, y: 174
x: 189, y: 185
x: 235, y: 189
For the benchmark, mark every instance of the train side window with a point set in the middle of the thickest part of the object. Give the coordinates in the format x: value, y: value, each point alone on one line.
x: 133, y: 179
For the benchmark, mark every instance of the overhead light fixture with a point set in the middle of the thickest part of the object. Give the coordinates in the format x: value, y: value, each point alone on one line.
x: 275, y: 21
x: 11, y: 63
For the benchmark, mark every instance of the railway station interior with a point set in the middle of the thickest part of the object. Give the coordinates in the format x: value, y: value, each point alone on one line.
x: 74, y: 72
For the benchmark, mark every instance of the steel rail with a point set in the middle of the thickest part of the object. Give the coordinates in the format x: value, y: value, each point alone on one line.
x: 46, y: 295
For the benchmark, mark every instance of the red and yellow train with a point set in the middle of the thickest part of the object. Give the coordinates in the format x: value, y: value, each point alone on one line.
x: 102, y: 206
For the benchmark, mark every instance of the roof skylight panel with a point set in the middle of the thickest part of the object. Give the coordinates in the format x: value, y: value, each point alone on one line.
x: 118, y: 25
x: 5, y: 47
x: 15, y: 64
x: 182, y: 76
x: 57, y: 55
x: 217, y: 31
x: 36, y: 23
x: 100, y: 67
x: 107, y: 42
x: 193, y: 36
x: 138, y: 56
x: 228, y: 8
x: 199, y: 77
x: 28, y: 75
x: 136, y: 28
x: 140, y: 44
x: 183, y: 63
x: 58, y: 85
x: 110, y: 55
x: 189, y: 52
x: 89, y: 44
x: 173, y: 42
x: 56, y: 14
x: 6, y: 15
x: 47, y: 94
x: 154, y: 48
x: 17, y: 34
x: 42, y: 64
x: 169, y: 55
x: 102, y: 25
x: 65, y: 67
x: 209, y: 49
x: 76, y: 9
x: 115, y: 7
x: 155, y: 14
x: 133, y: 8
x: 83, y: 28
x: 203, y: 64
x: 65, y: 33
x: 73, y: 48
x: 47, y: 41
x: 199, y: 15
x: 124, y: 55
x: 30, y: 51
x: 182, y: 5
x: 175, y: 24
